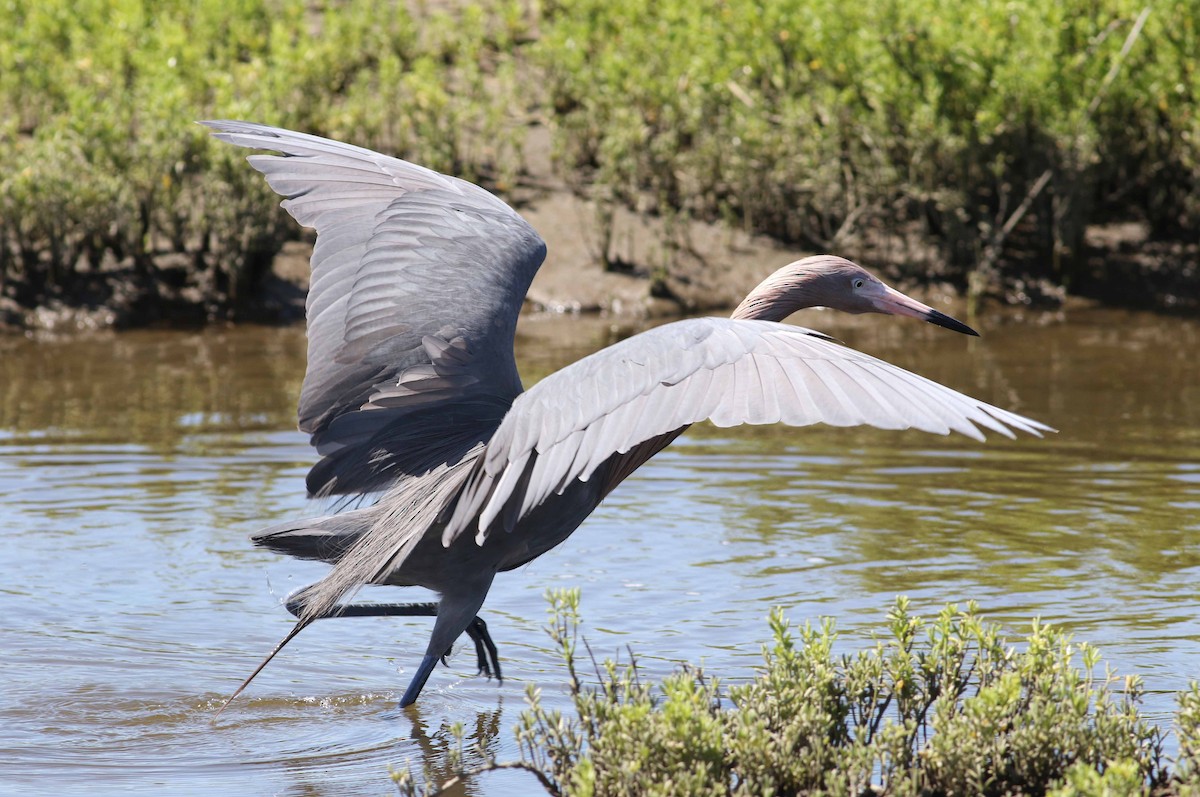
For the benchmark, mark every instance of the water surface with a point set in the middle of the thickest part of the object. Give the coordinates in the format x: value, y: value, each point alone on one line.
x: 133, y: 467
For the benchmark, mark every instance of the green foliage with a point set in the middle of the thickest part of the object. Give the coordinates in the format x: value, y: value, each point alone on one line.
x: 102, y: 161
x: 810, y: 119
x: 936, y: 707
x: 1119, y: 779
x: 1188, y: 723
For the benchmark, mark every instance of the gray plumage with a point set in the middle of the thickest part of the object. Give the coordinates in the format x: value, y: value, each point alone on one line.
x: 412, y: 388
x: 417, y: 281
x: 725, y: 371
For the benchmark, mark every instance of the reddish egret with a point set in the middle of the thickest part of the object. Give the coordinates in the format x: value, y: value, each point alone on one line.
x: 412, y: 389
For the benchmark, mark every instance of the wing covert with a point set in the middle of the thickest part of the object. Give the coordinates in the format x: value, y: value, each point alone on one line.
x: 408, y: 264
x: 725, y: 371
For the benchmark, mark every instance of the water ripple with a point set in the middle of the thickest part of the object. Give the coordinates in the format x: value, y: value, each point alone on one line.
x: 134, y: 604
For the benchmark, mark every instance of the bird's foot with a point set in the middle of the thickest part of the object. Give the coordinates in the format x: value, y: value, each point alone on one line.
x: 487, y: 658
x: 485, y: 649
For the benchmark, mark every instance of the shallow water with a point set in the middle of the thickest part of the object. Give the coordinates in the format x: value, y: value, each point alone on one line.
x: 133, y: 467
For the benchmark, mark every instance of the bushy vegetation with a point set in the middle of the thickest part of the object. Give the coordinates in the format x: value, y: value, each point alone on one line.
x: 974, y: 128
x: 103, y: 165
x: 818, y: 120
x: 945, y: 706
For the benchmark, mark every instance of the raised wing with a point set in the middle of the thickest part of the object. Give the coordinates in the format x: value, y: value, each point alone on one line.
x: 727, y: 371
x: 417, y: 281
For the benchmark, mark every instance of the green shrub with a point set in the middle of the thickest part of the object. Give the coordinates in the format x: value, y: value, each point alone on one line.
x: 939, y: 707
x: 103, y: 166
x: 836, y: 125
x: 812, y: 119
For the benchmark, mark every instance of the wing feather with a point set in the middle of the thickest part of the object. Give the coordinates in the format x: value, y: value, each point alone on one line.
x: 505, y: 486
x: 402, y: 254
x: 653, y: 385
x: 699, y: 389
x: 806, y: 410
x: 890, y: 404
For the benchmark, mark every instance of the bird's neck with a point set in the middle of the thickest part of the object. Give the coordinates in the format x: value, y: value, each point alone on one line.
x: 777, y: 297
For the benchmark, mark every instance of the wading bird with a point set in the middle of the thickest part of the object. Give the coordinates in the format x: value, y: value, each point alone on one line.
x: 412, y: 389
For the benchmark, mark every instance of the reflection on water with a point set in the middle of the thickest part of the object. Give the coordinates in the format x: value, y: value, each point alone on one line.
x: 133, y: 466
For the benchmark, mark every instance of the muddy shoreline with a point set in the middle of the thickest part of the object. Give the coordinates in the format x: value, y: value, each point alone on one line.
x: 706, y: 267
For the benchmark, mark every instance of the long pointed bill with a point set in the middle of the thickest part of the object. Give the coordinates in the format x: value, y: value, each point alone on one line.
x: 894, y: 302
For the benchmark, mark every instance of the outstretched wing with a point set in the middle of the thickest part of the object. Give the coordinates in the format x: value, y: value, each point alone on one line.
x: 727, y: 371
x: 417, y: 281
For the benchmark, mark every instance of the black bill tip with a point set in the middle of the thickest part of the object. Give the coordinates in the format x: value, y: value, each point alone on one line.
x: 943, y: 320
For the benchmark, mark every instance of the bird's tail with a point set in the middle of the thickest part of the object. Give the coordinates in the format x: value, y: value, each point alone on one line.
x: 326, y: 538
x: 364, y: 545
x: 367, y: 546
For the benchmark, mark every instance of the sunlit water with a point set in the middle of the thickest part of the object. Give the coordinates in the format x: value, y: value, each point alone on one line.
x: 133, y: 467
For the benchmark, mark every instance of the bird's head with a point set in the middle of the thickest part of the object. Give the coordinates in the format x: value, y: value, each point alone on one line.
x: 830, y: 281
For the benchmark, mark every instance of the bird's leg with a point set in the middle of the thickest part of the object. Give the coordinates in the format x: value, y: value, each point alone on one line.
x: 456, y: 612
x: 296, y: 607
x: 486, y: 656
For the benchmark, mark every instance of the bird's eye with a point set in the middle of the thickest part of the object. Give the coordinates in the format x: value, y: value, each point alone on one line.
x: 858, y: 283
